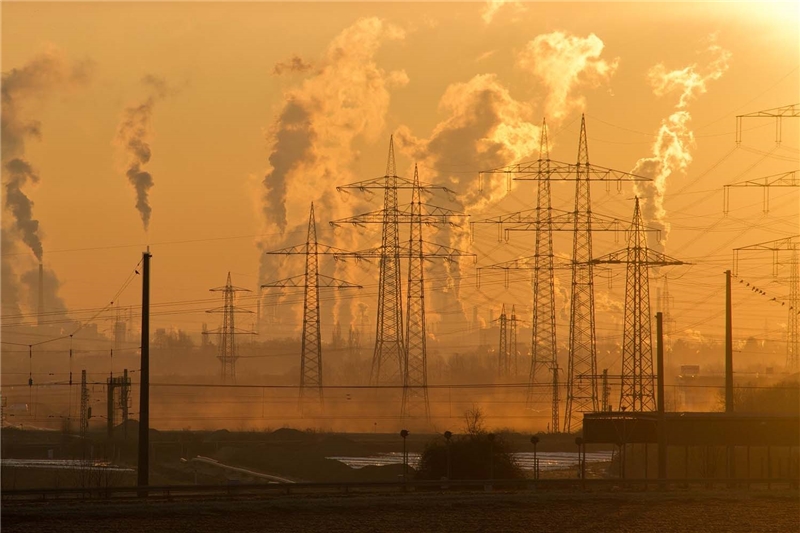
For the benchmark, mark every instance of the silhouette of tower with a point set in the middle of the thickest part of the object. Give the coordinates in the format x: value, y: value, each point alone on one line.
x: 792, y: 246
x: 413, y: 359
x: 582, y: 394
x: 544, y: 352
x: 415, y: 374
x: 311, y: 376
x: 502, y: 351
x: 388, y: 361
x: 85, y: 409
x: 637, y: 390
x: 228, y: 353
x: 512, y: 342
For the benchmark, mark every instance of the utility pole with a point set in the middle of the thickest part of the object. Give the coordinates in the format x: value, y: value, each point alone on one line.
x: 582, y: 365
x: 637, y: 391
x: 311, y: 376
x: 84, y: 421
x: 662, y: 430
x: 143, y: 466
x: 227, y: 333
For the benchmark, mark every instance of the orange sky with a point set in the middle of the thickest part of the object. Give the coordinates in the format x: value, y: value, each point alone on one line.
x: 404, y: 67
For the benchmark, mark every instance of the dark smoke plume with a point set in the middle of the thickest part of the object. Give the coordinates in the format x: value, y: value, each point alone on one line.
x: 36, y: 80
x: 133, y: 134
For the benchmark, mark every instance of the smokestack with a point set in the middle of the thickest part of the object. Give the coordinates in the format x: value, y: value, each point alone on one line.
x: 41, y: 295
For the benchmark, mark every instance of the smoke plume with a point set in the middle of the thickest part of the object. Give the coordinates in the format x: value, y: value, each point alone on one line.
x: 133, y: 134
x: 563, y: 63
x: 485, y: 127
x: 671, y: 150
x: 344, y: 100
x: 22, y: 89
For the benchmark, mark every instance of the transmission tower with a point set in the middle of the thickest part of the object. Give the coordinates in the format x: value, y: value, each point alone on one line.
x: 778, y: 113
x: 311, y: 382
x: 637, y: 390
x: 792, y: 246
x: 413, y: 358
x: 582, y: 365
x: 388, y: 360
x: 503, y: 366
x: 86, y: 412
x: 786, y: 179
x: 227, y: 332
x: 512, y: 341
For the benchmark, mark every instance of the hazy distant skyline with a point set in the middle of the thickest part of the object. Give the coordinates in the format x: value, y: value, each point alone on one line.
x: 463, y: 86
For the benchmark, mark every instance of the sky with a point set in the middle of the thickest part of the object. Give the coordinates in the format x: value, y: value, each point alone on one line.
x: 204, y: 130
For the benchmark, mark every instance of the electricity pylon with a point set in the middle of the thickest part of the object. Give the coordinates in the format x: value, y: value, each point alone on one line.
x: 786, y: 179
x: 311, y: 380
x: 637, y: 391
x: 503, y: 366
x: 512, y: 341
x: 413, y: 357
x: 389, y: 343
x: 778, y: 113
x: 227, y: 333
x: 792, y: 246
x: 582, y: 393
x: 85, y: 409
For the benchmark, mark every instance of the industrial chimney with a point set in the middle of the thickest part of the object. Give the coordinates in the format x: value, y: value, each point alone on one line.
x: 40, y: 312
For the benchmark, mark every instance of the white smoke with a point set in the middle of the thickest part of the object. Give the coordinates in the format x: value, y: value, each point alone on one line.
x: 485, y: 127
x: 345, y: 99
x: 671, y: 150
x: 563, y: 63
x: 491, y: 8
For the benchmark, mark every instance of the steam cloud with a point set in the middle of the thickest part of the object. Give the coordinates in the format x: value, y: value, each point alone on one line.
x: 564, y: 62
x: 133, y: 134
x: 344, y: 100
x: 491, y: 8
x: 485, y: 128
x: 674, y: 141
x: 22, y: 87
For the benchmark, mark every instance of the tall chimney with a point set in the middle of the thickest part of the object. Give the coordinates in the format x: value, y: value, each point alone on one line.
x: 40, y: 312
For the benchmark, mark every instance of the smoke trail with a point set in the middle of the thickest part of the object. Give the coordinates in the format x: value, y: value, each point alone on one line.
x: 342, y: 101
x: 563, y: 63
x: 21, y: 88
x: 133, y: 135
x: 674, y: 140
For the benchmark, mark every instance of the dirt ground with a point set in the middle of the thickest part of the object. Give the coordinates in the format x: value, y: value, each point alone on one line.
x: 689, y: 512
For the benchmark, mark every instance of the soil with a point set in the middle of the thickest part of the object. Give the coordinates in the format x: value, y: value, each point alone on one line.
x: 680, y: 512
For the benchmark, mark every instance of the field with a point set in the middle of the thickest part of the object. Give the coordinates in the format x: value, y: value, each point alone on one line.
x: 675, y: 512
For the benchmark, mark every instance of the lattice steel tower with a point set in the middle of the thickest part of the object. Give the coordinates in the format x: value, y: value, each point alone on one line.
x: 388, y: 360
x: 311, y: 375
x: 503, y: 366
x: 582, y: 393
x: 637, y: 390
x: 415, y: 373
x: 227, y: 333
x: 791, y: 245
